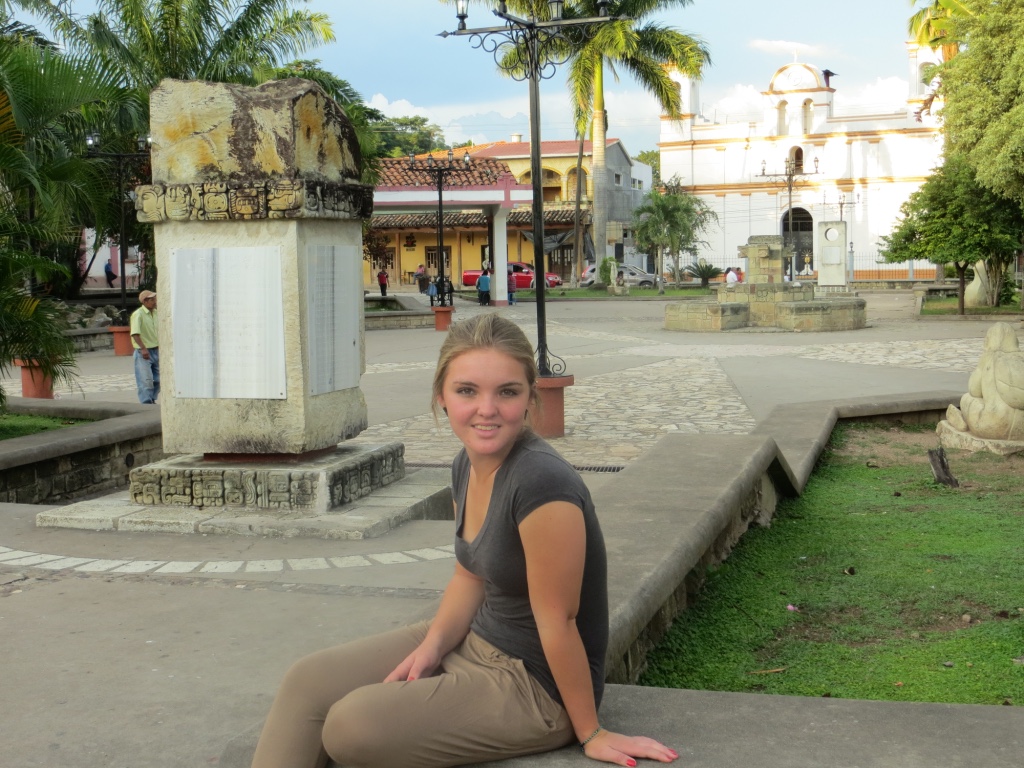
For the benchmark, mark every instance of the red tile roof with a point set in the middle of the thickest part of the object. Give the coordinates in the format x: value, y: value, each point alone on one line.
x: 395, y: 172
x: 522, y: 148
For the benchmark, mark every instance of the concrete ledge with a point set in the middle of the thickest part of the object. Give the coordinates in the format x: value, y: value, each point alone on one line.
x: 671, y: 515
x: 64, y: 464
x: 726, y: 730
x: 116, y: 423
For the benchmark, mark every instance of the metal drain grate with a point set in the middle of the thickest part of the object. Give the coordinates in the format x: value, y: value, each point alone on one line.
x: 600, y: 468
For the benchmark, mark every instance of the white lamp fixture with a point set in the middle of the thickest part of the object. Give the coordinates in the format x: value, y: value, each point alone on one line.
x: 555, y: 6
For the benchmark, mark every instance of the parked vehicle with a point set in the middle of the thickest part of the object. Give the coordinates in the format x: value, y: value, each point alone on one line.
x: 634, y: 276
x: 523, y: 272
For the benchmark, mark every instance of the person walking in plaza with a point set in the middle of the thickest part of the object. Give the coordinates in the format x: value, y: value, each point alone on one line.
x: 731, y: 276
x: 511, y: 288
x: 513, y: 662
x: 483, y: 288
x: 383, y: 280
x: 420, y: 276
x: 108, y: 272
x: 143, y: 330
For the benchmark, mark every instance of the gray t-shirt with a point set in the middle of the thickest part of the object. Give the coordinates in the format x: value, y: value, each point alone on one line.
x: 534, y: 474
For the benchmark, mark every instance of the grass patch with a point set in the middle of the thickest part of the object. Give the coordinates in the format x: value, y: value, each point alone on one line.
x: 903, y: 589
x: 945, y: 305
x: 20, y: 425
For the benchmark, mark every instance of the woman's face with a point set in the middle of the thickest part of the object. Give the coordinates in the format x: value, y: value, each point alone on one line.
x: 486, y: 394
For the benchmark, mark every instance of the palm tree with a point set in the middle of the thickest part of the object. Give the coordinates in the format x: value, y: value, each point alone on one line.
x: 670, y: 223
x: 237, y: 41
x: 45, y: 189
x: 930, y: 25
x: 644, y: 49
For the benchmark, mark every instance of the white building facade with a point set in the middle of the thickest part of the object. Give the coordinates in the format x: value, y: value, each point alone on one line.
x: 802, y: 164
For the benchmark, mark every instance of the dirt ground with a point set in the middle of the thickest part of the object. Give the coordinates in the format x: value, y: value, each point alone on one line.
x: 890, y: 445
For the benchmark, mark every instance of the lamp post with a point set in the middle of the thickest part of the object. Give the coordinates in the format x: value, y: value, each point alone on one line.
x: 92, y: 144
x: 792, y: 171
x: 440, y: 171
x: 531, y: 49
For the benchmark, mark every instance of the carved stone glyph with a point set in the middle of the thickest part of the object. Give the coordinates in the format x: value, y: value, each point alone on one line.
x: 991, y: 414
x: 225, y: 152
x: 314, y: 486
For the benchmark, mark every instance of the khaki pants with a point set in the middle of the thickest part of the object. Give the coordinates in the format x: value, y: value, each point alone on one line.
x: 482, y: 705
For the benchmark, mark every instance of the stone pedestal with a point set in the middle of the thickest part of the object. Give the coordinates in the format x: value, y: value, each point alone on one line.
x: 549, y: 419
x: 297, y: 487
x: 257, y: 210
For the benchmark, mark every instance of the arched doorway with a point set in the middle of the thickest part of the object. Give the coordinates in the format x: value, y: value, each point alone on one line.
x: 802, y: 241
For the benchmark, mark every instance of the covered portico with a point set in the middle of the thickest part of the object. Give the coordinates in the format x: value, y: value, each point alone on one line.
x: 487, y: 186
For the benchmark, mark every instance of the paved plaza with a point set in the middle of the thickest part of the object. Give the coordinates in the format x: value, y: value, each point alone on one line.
x: 127, y: 649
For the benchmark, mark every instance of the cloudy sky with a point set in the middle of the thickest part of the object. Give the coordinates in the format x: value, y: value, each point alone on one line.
x: 389, y: 50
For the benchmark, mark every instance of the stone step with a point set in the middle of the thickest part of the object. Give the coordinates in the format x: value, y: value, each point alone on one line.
x: 423, y: 494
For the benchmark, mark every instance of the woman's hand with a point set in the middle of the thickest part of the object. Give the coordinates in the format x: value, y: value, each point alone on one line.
x: 609, y: 747
x: 420, y: 663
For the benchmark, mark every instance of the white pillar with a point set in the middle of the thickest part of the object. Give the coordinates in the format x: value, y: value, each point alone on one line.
x: 499, y: 255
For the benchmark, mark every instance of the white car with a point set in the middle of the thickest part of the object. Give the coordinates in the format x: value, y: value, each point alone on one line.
x: 634, y: 276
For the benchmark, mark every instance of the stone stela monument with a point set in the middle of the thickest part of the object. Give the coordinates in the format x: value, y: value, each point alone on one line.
x: 765, y: 299
x: 257, y: 209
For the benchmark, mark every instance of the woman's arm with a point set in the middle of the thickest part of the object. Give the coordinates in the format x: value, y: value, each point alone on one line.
x: 462, y: 598
x: 554, y: 540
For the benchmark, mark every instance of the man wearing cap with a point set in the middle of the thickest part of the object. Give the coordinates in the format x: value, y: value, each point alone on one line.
x: 143, y: 326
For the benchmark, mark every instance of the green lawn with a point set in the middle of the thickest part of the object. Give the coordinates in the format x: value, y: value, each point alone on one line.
x: 19, y: 425
x: 948, y: 306
x: 878, y: 583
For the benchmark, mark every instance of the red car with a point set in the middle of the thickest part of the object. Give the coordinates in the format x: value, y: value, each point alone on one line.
x: 524, y: 276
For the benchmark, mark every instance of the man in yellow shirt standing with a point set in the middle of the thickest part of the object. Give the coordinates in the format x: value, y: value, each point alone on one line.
x: 143, y: 326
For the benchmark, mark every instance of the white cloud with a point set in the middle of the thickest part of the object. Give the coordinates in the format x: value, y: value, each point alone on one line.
x: 885, y: 94
x: 739, y: 102
x: 787, y: 48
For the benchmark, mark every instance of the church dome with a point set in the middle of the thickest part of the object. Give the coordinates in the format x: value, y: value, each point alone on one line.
x: 797, y: 77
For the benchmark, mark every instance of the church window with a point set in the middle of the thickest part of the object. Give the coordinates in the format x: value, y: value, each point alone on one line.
x: 808, y: 116
x: 783, y: 126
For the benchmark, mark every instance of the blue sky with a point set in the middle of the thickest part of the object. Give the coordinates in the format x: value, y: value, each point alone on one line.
x: 390, y: 52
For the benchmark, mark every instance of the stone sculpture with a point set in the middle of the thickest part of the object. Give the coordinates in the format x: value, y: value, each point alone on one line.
x: 991, y: 414
x: 977, y: 293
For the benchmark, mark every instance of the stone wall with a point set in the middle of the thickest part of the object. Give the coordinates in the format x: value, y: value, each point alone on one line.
x: 80, y: 460
x: 706, y: 316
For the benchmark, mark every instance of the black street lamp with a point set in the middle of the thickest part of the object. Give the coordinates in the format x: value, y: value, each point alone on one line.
x: 793, y: 170
x: 92, y: 144
x: 440, y: 171
x: 531, y: 49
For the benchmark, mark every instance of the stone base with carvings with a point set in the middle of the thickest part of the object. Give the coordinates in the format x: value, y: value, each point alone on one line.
x: 951, y: 437
x: 283, y: 488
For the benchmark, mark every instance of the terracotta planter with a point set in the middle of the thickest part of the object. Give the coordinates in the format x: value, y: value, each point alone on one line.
x: 33, y: 382
x: 549, y: 420
x: 442, y: 317
x: 122, y: 339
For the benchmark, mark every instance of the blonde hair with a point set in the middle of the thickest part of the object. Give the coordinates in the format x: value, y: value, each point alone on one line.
x: 490, y: 331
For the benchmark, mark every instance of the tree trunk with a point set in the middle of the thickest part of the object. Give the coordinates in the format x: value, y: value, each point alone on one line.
x: 598, y: 172
x: 961, y: 276
x: 661, y: 271
x: 577, y: 228
x: 996, y: 274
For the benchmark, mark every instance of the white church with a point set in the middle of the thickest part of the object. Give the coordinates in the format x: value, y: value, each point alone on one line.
x: 802, y: 162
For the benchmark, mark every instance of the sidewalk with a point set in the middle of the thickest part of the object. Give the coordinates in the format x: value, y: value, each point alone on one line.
x: 122, y: 661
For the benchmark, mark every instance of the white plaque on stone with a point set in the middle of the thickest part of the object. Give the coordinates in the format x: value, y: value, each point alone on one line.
x: 334, y: 301
x: 228, y: 323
